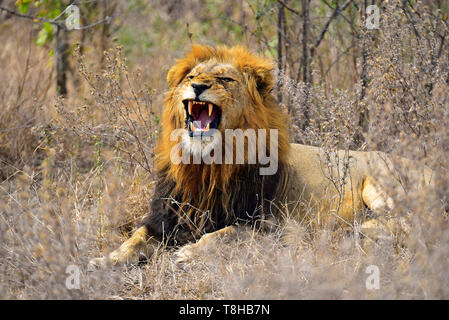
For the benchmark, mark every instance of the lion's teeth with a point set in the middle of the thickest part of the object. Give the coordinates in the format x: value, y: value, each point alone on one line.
x: 210, y: 109
x: 192, y: 127
x: 190, y: 107
x: 207, y: 128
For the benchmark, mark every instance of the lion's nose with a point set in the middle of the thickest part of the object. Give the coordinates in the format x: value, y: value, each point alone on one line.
x: 199, y: 88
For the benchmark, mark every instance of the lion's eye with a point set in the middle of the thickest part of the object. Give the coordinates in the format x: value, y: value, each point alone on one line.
x: 225, y: 79
x: 190, y: 77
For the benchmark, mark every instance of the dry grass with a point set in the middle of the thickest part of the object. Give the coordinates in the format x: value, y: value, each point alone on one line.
x: 76, y: 173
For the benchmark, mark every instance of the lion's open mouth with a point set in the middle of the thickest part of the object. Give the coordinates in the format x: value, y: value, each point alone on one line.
x: 201, y: 117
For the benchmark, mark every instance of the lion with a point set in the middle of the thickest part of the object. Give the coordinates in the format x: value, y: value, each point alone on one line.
x: 214, y: 90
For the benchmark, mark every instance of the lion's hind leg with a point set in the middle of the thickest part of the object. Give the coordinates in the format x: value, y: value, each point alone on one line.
x: 383, y: 225
x: 129, y: 253
x: 189, y: 252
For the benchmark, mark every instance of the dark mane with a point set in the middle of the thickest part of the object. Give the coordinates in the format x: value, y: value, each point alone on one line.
x: 167, y: 222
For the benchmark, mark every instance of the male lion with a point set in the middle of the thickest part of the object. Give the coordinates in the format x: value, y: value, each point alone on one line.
x: 214, y: 89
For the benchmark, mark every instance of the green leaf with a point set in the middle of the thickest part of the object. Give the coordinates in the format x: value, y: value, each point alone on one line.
x: 42, y: 37
x: 23, y: 6
x: 53, y: 13
x: 45, y: 34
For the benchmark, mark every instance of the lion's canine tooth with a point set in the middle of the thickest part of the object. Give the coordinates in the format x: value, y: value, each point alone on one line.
x: 210, y: 109
x: 190, y: 107
x: 192, y: 127
x: 207, y: 128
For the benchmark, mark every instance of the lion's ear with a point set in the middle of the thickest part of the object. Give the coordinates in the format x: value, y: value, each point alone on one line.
x: 258, y: 70
x: 177, y: 73
x: 264, y: 79
x: 260, y: 73
x: 261, y: 77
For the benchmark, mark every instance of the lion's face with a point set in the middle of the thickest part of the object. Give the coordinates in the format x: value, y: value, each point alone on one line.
x: 211, y: 98
x: 216, y: 89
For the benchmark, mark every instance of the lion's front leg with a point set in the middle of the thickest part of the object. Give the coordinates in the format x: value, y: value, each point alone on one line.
x: 129, y: 253
x: 188, y: 252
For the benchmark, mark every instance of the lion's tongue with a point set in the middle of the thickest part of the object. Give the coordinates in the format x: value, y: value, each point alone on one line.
x: 204, y: 118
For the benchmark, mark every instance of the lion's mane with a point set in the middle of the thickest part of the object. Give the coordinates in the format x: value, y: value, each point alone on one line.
x: 208, y: 196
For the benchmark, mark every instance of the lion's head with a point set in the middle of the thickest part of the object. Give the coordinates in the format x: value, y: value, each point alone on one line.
x: 212, y: 90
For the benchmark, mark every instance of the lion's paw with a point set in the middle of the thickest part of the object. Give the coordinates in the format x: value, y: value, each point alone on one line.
x: 186, y: 254
x: 116, y: 259
x: 191, y: 252
x: 96, y: 263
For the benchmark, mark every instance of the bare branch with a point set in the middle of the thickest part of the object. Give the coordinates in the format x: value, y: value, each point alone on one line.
x: 280, y: 65
x: 340, y: 13
x: 335, y: 13
x: 288, y: 8
x: 305, y: 28
x: 58, y: 23
x: 105, y: 20
x: 25, y: 16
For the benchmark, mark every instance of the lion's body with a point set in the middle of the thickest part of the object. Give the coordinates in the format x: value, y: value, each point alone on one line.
x: 332, y: 185
x: 230, y: 88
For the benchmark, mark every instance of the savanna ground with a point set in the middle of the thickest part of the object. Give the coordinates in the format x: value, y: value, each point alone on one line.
x: 76, y: 170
